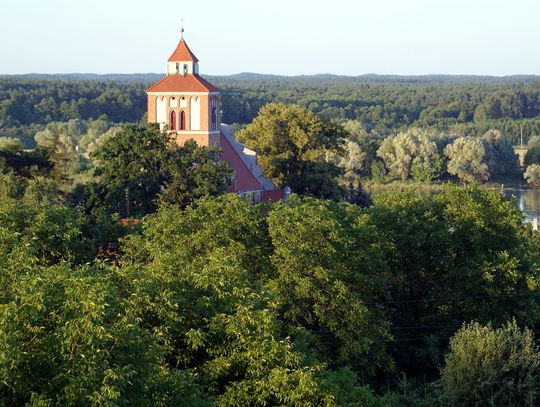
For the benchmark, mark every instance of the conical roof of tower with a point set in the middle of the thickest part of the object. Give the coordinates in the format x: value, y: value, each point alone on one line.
x: 183, y: 53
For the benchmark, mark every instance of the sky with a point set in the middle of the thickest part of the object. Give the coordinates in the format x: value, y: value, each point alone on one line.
x: 285, y: 37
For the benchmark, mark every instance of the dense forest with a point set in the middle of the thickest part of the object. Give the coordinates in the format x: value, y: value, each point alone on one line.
x: 129, y: 277
x: 463, y: 106
x: 207, y: 299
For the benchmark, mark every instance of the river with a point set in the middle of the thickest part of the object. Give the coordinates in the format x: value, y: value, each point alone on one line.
x: 528, y: 201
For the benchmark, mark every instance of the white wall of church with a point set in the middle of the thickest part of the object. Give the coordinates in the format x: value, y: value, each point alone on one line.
x: 161, y: 111
x: 195, y: 113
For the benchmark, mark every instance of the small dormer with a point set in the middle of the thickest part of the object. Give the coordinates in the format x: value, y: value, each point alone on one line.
x: 183, y: 61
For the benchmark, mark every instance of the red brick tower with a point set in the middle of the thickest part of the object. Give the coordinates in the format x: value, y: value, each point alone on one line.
x: 187, y: 107
x: 184, y: 103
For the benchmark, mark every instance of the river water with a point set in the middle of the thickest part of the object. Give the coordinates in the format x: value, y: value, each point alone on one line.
x: 528, y: 201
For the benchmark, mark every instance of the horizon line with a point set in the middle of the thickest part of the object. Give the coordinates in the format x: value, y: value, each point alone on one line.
x: 283, y: 75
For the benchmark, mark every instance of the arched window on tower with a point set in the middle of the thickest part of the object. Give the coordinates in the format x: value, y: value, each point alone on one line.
x: 185, y: 69
x: 173, y: 120
x: 182, y: 120
x: 178, y: 68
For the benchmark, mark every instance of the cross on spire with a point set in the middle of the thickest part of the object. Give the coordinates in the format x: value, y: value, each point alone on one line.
x: 182, y: 30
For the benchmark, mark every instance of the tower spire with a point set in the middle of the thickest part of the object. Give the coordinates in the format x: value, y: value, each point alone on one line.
x: 182, y: 30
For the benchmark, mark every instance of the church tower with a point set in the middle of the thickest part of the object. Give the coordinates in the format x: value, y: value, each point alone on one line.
x: 183, y: 103
x: 187, y: 107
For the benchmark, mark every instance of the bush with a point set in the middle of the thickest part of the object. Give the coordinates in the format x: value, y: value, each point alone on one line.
x: 491, y: 367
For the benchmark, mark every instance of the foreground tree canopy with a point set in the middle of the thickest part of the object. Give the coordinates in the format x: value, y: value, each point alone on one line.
x: 303, y: 302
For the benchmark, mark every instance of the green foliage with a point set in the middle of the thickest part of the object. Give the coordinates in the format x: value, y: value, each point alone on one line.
x: 501, y: 157
x: 137, y: 167
x: 534, y: 141
x: 11, y: 186
x: 409, y: 152
x: 26, y: 164
x: 217, y: 301
x: 532, y: 174
x: 197, y: 281
x: 47, y: 233
x: 378, y: 171
x: 328, y: 265
x: 65, y: 341
x: 353, y: 159
x: 532, y: 156
x: 491, y: 367
x: 10, y: 144
x: 454, y: 257
x: 467, y: 160
x: 41, y: 189
x: 466, y: 106
x: 291, y: 143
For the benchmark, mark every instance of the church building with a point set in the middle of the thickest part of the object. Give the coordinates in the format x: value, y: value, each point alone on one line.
x: 187, y: 107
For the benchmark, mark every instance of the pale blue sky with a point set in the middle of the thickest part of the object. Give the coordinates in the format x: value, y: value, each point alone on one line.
x: 291, y: 37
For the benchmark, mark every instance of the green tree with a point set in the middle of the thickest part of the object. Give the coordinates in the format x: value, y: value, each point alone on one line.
x: 11, y: 185
x: 457, y: 256
x: 41, y: 189
x: 10, y: 144
x: 66, y: 340
x: 51, y: 233
x: 491, y: 367
x: 532, y: 174
x: 467, y: 160
x: 501, y: 157
x: 291, y: 143
x: 532, y: 156
x: 197, y: 279
x: 534, y: 141
x: 411, y: 153
x: 59, y: 147
x: 329, y: 265
x: 144, y: 166
x: 378, y: 171
x: 353, y: 160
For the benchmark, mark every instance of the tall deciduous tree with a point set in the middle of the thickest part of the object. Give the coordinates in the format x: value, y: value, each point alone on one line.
x: 501, y: 157
x: 10, y: 144
x: 329, y: 264
x: 532, y: 174
x: 291, y: 143
x: 457, y: 256
x: 467, y: 159
x: 143, y: 166
x: 411, y: 153
x: 198, y: 280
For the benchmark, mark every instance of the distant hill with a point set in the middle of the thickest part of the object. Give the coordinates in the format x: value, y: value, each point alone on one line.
x: 256, y: 77
x: 135, y: 77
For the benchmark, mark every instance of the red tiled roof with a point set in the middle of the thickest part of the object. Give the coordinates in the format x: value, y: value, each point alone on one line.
x: 181, y: 83
x: 244, y: 179
x: 183, y: 53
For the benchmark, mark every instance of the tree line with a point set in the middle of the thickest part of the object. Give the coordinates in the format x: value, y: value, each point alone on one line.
x: 455, y: 105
